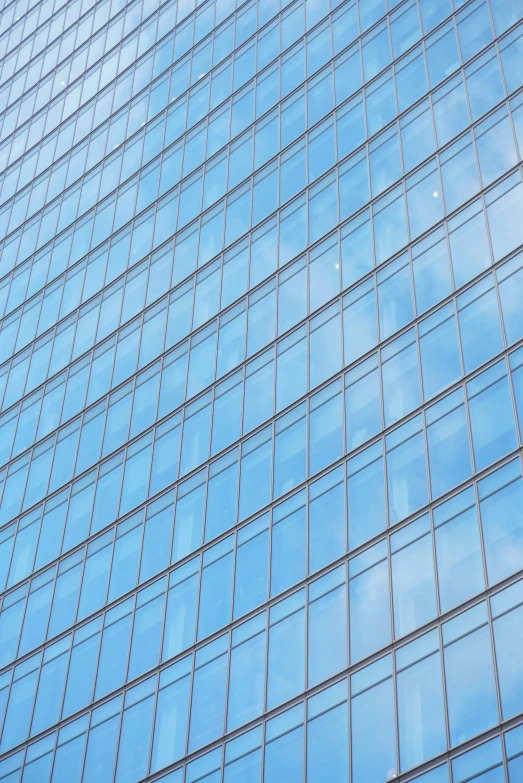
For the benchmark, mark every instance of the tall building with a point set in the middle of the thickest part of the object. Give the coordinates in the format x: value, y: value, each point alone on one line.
x: 261, y: 388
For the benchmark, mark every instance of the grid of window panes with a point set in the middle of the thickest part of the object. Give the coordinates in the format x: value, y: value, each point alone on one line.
x: 261, y: 391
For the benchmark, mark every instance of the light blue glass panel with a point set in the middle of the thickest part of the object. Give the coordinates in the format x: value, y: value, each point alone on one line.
x: 448, y: 444
x: 491, y: 417
x: 369, y: 606
x: 288, y: 545
x: 327, y: 746
x: 246, y: 683
x: 508, y: 638
x: 327, y: 648
x: 284, y: 758
x: 286, y: 664
x: 407, y: 480
x: 170, y: 724
x: 208, y: 702
x: 366, y: 496
x: 421, y: 731
x: 413, y: 586
x: 471, y: 694
x: 373, y: 715
x: 458, y: 552
x: 326, y: 520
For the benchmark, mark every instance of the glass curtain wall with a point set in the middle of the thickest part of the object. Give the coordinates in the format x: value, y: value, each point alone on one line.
x: 261, y: 391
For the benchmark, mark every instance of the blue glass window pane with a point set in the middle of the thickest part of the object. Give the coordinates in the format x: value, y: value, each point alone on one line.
x: 147, y: 628
x: 326, y: 528
x: 510, y: 291
x: 495, y: 146
x: 469, y: 244
x: 459, y: 173
x: 424, y: 201
x: 407, y: 479
x: 286, y: 666
x: 208, y: 703
x: 508, y: 637
x: 517, y: 384
x: 255, y: 479
x: 421, y: 730
x: 394, y: 298
x: 515, y: 769
x: 411, y: 79
x: 504, y: 203
x: 405, y: 29
x: 251, y: 575
x: 284, y: 758
x: 133, y: 752
x: 502, y: 523
x: 442, y: 54
x: 433, y: 12
x: 80, y: 678
x: 440, y: 360
x: 376, y: 51
x: 327, y: 747
x: 390, y: 226
x: 505, y: 14
x: 170, y: 724
x: 325, y: 434
x: 324, y: 276
x: 35, y: 621
x: 480, y: 328
x: 288, y: 551
x: 18, y: 714
x: 413, y: 587
x: 323, y: 208
x: 38, y: 770
x: 363, y: 409
x: 320, y: 151
x: 215, y: 596
x: 417, y: 136
x: 373, y: 716
x: 460, y: 566
x: 156, y: 543
x: 350, y: 125
x: 68, y: 761
x: 484, y: 84
x: 247, y: 681
x: 450, y: 110
x: 64, y: 601
x: 164, y: 466
x: 125, y: 562
x: 369, y: 611
x: 449, y: 452
x: 245, y: 768
x: 136, y: 475
x: 10, y: 623
x: 49, y: 696
x: 492, y: 423
x: 359, y: 324
x: 180, y: 617
x: 401, y: 388
x: 353, y: 186
x: 258, y: 396
x: 101, y: 750
x: 113, y: 657
x: 221, y: 502
x: 289, y: 457
x: 471, y: 694
x: 327, y: 648
x: 366, y: 502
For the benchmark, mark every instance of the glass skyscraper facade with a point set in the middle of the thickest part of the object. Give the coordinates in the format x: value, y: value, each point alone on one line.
x: 261, y: 389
